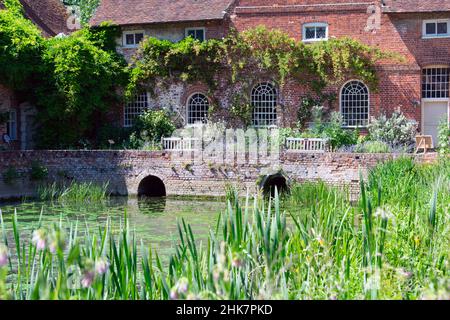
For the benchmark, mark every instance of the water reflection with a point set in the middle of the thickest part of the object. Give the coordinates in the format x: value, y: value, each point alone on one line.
x: 154, y: 220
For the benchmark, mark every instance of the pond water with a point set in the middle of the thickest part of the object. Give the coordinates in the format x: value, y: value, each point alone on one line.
x: 153, y: 220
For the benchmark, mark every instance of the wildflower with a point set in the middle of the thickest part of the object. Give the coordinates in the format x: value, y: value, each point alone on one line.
x: 383, y: 213
x: 3, y: 255
x: 216, y: 273
x: 320, y: 241
x: 182, y: 285
x: 236, y: 261
x: 173, y: 294
x: 101, y: 266
x: 56, y: 241
x: 39, y: 239
x: 88, y: 279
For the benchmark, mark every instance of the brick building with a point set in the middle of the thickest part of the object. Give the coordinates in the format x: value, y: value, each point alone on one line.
x: 419, y: 30
x: 50, y: 17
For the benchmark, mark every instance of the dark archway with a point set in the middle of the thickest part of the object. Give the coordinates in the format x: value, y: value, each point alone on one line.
x: 151, y: 186
x: 275, y: 182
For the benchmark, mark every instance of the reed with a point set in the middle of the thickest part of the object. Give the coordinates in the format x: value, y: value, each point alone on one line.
x: 321, y: 246
x: 75, y: 192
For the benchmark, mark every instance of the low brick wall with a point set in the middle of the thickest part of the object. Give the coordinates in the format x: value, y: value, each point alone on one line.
x: 124, y: 170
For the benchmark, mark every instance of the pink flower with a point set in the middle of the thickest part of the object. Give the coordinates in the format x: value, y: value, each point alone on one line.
x: 39, y: 239
x: 88, y: 279
x: 174, y: 294
x: 183, y: 285
x: 3, y: 256
x: 101, y: 266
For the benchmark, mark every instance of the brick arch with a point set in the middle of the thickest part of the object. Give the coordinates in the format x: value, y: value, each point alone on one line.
x: 134, y: 183
x: 192, y: 89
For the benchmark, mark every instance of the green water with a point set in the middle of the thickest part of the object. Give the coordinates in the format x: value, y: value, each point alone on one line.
x: 153, y: 220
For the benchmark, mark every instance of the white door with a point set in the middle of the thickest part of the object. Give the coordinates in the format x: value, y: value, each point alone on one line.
x: 433, y: 112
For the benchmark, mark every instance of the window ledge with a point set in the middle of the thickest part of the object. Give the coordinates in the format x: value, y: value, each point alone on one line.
x: 315, y: 40
x: 436, y: 37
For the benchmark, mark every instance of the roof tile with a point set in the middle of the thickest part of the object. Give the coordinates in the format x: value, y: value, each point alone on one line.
x: 129, y: 12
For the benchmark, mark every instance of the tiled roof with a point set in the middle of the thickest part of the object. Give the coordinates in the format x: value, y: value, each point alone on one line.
x: 128, y: 12
x: 400, y: 6
x: 49, y: 15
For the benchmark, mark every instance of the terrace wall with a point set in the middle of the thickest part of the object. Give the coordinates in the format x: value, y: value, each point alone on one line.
x: 124, y: 170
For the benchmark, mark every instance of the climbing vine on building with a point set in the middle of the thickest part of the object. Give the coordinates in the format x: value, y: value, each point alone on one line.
x: 259, y: 53
x: 72, y: 80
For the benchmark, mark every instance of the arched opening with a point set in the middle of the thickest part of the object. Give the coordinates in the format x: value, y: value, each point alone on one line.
x: 275, y: 182
x: 151, y: 186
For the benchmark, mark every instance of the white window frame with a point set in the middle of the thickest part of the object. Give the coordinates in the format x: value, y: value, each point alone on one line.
x: 195, y: 29
x: 314, y: 25
x: 424, y: 98
x: 198, y: 123
x: 133, y: 32
x: 368, y: 104
x: 127, y: 124
x: 12, y: 120
x: 435, y: 36
x: 277, y: 97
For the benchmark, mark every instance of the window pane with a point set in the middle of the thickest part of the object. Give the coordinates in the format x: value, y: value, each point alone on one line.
x: 310, y: 33
x: 264, y: 103
x: 130, y: 39
x: 355, y: 104
x: 135, y: 109
x: 11, y: 128
x: 431, y: 28
x: 200, y: 35
x: 321, y: 32
x: 442, y: 28
x: 191, y: 33
x: 435, y: 82
x: 138, y: 37
x: 198, y: 107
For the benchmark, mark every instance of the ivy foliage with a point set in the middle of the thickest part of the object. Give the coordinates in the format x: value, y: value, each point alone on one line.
x: 21, y: 46
x: 86, y: 7
x: 72, y: 80
x: 252, y: 54
x: 80, y: 87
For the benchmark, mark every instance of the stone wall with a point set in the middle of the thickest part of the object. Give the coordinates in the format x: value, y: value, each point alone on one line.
x: 124, y: 170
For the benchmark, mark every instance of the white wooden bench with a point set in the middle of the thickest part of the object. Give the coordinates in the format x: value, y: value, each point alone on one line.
x: 307, y: 145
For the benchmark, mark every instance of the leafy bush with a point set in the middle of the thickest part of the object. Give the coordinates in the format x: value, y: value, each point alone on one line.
x: 395, y: 131
x: 332, y: 130
x: 372, y: 147
x: 149, y: 128
x: 10, y: 175
x: 38, y: 171
x: 444, y: 137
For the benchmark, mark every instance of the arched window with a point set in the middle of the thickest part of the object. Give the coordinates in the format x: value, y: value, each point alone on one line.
x: 355, y: 104
x: 264, y: 103
x: 197, y: 109
x: 135, y: 108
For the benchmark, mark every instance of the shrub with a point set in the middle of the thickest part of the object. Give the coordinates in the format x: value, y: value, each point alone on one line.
x: 396, y: 131
x: 149, y: 128
x: 10, y: 175
x: 373, y: 147
x: 38, y: 171
x: 444, y: 137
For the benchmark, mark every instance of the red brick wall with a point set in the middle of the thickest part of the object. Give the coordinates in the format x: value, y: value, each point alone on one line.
x: 400, y: 84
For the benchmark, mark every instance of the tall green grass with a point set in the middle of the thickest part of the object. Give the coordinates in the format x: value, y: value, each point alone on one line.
x: 321, y: 246
x: 75, y: 192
